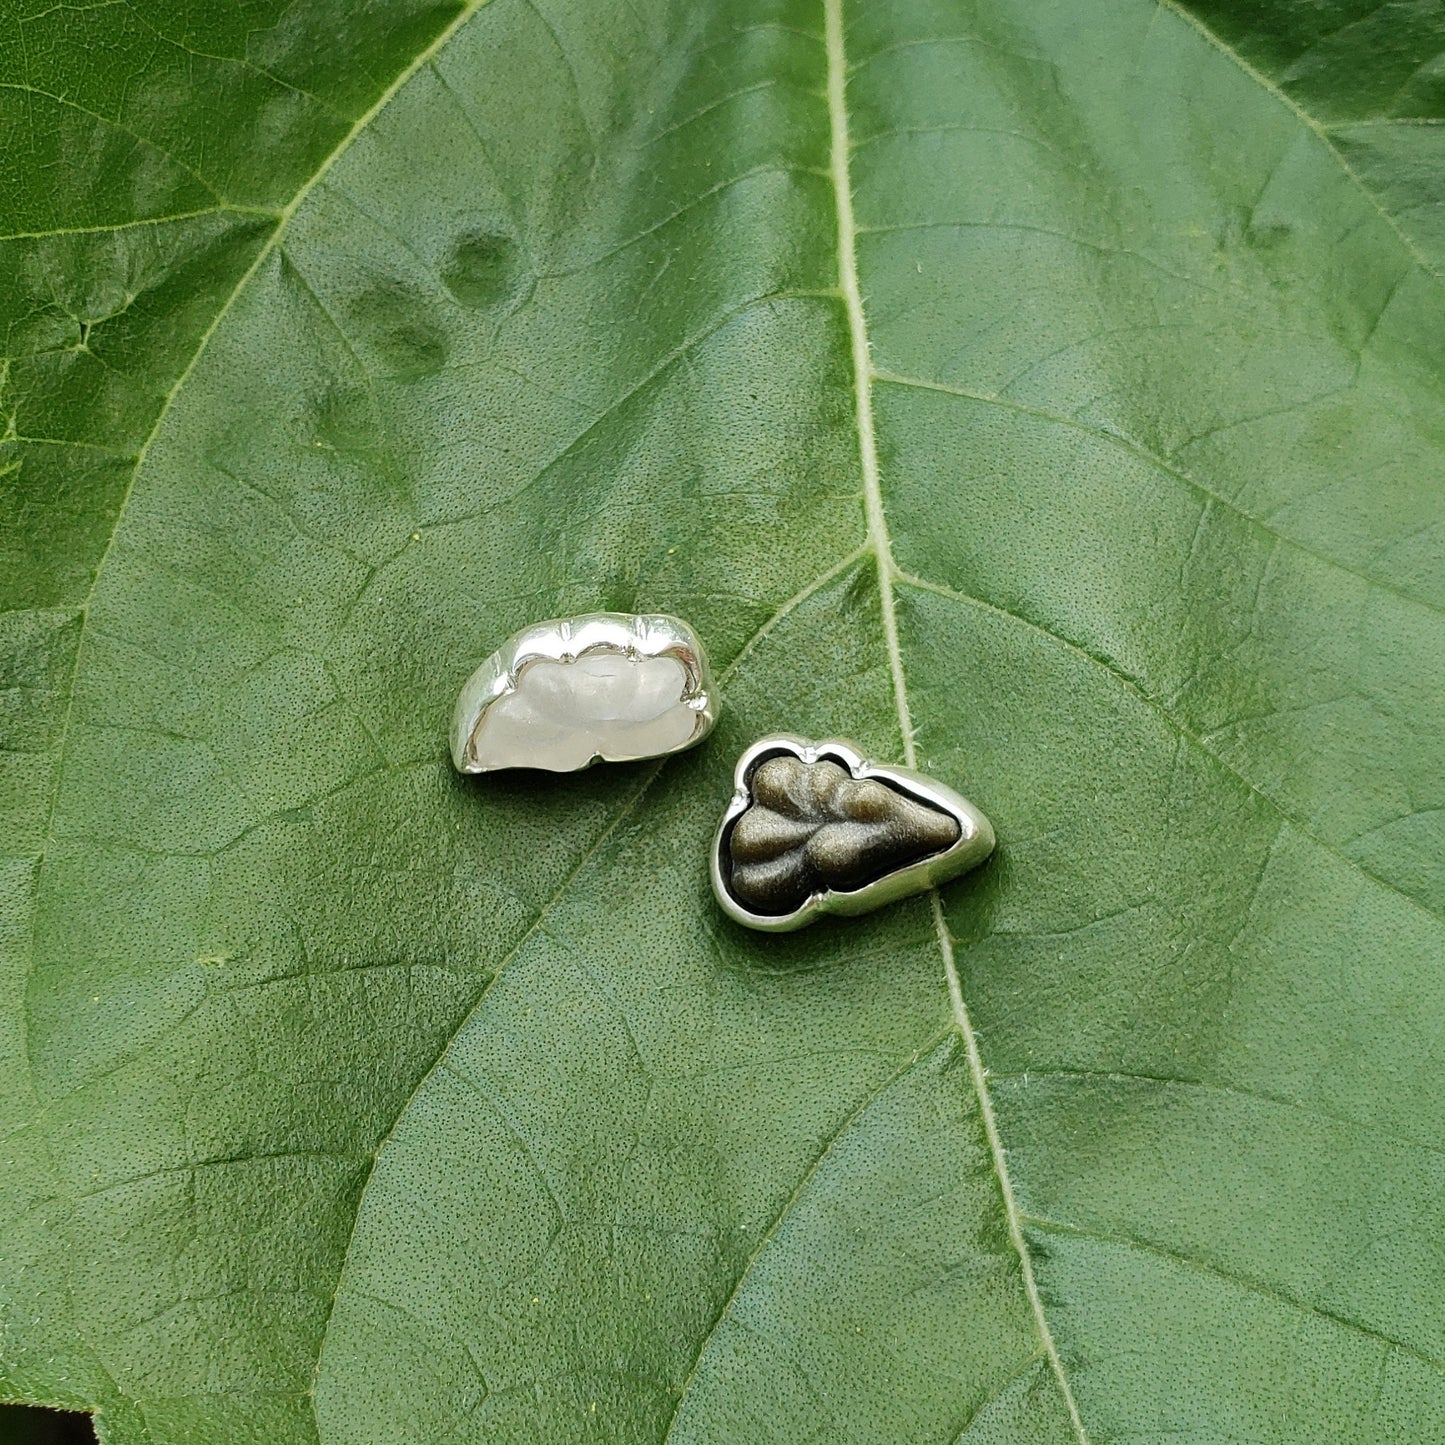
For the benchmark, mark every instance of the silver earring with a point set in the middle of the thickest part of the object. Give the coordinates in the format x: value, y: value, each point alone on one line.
x: 815, y: 828
x: 605, y: 687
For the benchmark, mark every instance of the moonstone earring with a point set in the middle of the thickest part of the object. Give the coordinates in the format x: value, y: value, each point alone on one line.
x: 604, y: 687
x: 815, y: 828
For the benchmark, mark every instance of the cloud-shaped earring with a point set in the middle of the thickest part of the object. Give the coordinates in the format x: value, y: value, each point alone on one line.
x: 603, y: 687
x: 815, y: 828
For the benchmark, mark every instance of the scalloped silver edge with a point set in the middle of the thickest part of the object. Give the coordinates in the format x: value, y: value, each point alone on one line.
x: 975, y: 840
x: 565, y: 639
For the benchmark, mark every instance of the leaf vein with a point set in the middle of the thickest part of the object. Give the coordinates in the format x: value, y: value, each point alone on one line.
x: 537, y: 925
x: 1234, y: 1091
x: 107, y: 227
x: 837, y: 82
x: 440, y: 1062
x: 1144, y: 1246
x: 1132, y: 685
x: 1302, y: 115
x: 1028, y: 1366
x: 1145, y: 454
x: 769, y: 1234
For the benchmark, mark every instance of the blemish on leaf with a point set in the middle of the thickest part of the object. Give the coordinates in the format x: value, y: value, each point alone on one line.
x: 345, y: 419
x: 1266, y: 238
x: 482, y: 269
x: 401, y: 329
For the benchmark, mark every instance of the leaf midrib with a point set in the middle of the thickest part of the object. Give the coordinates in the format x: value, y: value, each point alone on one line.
x: 863, y: 377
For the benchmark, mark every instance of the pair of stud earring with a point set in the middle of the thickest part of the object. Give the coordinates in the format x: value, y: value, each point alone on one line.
x: 811, y: 828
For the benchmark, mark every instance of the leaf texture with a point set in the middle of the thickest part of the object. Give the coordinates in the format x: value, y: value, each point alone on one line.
x: 1046, y: 395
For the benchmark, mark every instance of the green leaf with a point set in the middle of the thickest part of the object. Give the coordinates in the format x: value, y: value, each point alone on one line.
x: 1045, y: 394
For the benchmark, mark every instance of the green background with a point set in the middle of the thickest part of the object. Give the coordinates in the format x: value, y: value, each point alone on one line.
x: 1048, y: 393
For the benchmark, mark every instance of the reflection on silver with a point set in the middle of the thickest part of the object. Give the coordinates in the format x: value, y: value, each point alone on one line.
x: 819, y: 822
x: 564, y: 694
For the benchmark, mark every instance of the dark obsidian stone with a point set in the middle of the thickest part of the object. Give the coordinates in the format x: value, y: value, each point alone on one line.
x: 812, y: 826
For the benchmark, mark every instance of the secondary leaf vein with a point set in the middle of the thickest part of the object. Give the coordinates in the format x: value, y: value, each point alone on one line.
x: 1184, y: 1261
x: 1133, y: 686
x: 1301, y: 114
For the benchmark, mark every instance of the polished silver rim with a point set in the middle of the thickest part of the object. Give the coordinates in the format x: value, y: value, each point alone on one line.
x: 565, y: 640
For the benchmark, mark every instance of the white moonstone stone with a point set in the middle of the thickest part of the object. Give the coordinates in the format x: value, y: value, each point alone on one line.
x: 561, y: 715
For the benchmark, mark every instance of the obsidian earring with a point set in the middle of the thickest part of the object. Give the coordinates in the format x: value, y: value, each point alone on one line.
x: 815, y: 828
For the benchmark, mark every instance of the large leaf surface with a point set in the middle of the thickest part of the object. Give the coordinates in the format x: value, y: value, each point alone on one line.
x: 1049, y: 393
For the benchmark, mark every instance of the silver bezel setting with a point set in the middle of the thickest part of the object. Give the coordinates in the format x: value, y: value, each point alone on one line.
x: 565, y: 639
x: 975, y: 841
